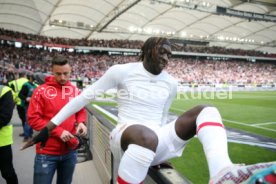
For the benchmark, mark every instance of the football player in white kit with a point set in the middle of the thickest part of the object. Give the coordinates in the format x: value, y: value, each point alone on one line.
x: 143, y: 138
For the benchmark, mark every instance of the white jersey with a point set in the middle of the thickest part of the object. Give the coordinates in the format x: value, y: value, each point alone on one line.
x: 143, y: 98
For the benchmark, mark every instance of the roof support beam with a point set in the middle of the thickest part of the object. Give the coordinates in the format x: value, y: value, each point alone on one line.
x: 112, y: 15
x: 49, y: 16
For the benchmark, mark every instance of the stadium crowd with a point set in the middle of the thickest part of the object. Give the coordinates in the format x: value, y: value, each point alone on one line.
x: 131, y: 44
x: 90, y: 67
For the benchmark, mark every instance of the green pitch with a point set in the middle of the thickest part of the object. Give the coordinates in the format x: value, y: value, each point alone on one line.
x: 253, y: 112
x: 249, y: 111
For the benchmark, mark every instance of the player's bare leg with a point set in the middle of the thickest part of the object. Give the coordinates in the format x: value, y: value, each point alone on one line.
x: 139, y: 144
x: 206, y: 122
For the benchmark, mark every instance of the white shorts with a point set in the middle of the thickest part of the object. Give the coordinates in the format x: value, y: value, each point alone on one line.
x: 169, y: 144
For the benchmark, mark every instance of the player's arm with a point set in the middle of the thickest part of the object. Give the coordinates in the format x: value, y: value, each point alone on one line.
x: 107, y: 81
x: 169, y: 103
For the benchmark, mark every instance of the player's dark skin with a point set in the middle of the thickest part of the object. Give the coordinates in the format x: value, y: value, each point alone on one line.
x: 155, y: 58
x: 185, y: 125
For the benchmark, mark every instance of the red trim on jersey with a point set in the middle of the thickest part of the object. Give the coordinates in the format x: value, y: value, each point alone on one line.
x: 121, y: 181
x: 208, y: 124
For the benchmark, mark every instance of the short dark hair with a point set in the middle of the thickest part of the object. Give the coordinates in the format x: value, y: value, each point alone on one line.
x: 22, y: 73
x: 149, y: 47
x: 59, y: 60
x: 30, y: 76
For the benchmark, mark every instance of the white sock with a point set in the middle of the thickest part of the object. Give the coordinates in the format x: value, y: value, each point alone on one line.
x: 212, y: 135
x: 134, y: 164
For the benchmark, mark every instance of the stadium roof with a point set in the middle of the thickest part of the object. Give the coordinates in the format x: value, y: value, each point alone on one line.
x: 138, y: 19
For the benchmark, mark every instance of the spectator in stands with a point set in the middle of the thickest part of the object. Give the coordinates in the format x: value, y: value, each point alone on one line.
x: 143, y: 137
x: 59, y: 153
x: 16, y: 86
x: 25, y: 95
x: 8, y: 35
x: 6, y: 110
x: 192, y: 70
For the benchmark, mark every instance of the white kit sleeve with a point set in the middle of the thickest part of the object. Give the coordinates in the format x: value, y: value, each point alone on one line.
x: 107, y: 81
x: 169, y: 103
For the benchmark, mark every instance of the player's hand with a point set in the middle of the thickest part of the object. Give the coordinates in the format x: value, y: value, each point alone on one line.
x: 81, y: 130
x: 42, y: 136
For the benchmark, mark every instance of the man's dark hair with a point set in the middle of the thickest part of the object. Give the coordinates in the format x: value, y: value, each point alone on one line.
x: 59, y: 60
x: 30, y: 76
x: 40, y: 77
x: 149, y: 48
x: 22, y: 73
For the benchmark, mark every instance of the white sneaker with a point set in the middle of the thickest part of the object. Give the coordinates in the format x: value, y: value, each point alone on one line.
x: 264, y: 173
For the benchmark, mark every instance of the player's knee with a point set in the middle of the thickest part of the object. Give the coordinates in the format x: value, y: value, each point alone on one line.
x: 148, y: 139
x: 139, y: 135
x: 186, y: 124
x: 201, y: 107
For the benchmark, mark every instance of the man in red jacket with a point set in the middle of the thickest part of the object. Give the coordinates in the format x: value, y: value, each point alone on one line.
x: 58, y: 154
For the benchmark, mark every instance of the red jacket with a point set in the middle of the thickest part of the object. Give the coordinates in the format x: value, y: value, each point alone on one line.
x: 45, y: 103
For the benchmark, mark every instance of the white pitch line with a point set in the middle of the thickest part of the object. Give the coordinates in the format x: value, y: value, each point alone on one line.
x: 230, y: 121
x: 236, y: 122
x: 106, y: 112
x: 244, y: 124
x: 268, y: 123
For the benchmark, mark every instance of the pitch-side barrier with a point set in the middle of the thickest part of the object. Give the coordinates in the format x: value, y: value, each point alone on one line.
x: 99, y: 128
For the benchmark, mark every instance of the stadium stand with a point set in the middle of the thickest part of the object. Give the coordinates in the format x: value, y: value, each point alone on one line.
x: 187, y: 70
x: 8, y: 35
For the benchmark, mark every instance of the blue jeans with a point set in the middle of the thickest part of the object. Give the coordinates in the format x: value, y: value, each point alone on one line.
x: 46, y: 165
x: 28, y: 131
